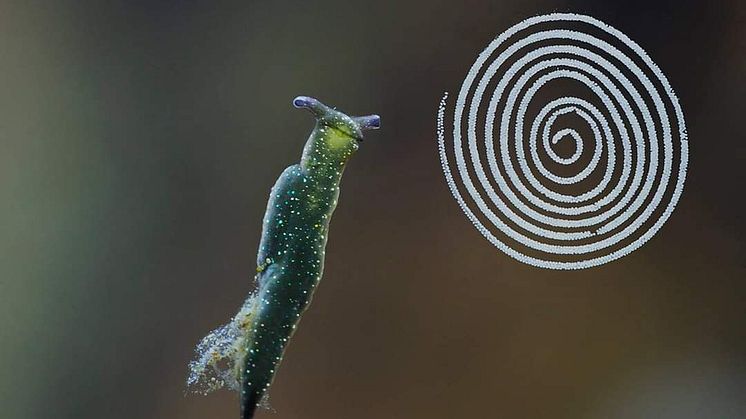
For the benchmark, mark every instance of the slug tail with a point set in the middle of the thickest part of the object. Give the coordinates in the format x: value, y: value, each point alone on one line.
x: 249, y: 406
x: 220, y: 354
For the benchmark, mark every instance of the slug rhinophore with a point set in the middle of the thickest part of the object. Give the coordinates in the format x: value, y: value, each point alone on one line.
x: 245, y: 353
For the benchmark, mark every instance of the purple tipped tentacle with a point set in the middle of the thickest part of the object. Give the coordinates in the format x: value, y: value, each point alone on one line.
x: 368, y: 122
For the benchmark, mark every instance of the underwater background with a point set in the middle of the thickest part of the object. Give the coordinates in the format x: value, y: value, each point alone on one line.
x: 138, y: 143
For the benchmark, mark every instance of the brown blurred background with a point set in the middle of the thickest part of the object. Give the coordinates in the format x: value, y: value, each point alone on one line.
x: 138, y: 142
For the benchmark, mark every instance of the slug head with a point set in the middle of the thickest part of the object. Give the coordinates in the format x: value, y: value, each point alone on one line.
x: 336, y: 135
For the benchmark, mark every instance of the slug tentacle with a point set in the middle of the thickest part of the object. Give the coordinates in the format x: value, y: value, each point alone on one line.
x: 368, y: 121
x: 244, y: 354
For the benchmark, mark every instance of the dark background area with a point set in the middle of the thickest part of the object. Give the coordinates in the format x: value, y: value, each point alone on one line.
x: 138, y: 143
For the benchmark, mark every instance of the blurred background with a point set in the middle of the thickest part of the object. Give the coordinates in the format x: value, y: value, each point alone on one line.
x: 138, y: 143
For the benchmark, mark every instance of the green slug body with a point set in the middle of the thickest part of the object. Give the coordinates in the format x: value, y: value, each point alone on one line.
x: 290, y: 260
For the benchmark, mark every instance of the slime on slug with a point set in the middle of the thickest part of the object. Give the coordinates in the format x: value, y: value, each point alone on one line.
x: 244, y: 354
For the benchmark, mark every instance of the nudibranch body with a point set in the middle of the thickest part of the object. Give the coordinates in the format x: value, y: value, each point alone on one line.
x: 245, y: 353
